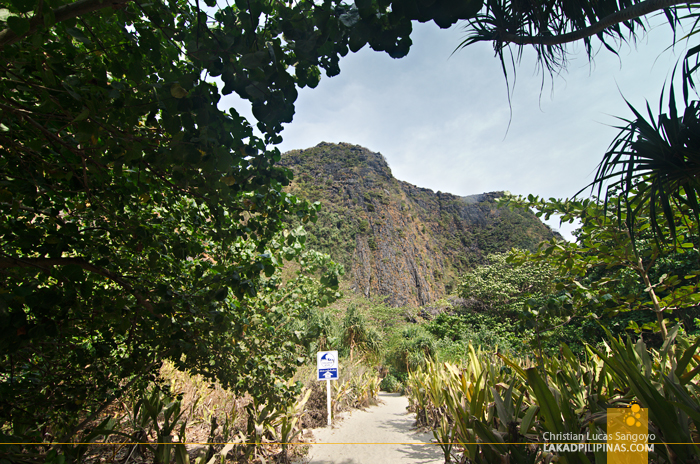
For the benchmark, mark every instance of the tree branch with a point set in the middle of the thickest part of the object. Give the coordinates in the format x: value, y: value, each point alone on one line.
x: 61, y: 13
x: 633, y: 12
x: 25, y: 115
x: 46, y: 263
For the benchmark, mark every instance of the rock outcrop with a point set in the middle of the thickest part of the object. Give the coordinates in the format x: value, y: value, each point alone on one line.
x: 397, y: 240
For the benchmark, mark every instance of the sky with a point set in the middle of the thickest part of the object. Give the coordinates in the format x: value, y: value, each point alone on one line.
x: 443, y: 119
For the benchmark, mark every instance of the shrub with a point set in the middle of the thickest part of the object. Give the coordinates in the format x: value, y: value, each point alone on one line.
x: 482, y: 330
x: 391, y: 384
x: 414, y: 346
x: 359, y: 334
x: 502, y: 406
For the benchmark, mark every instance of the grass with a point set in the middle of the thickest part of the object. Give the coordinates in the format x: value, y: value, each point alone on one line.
x: 208, y: 422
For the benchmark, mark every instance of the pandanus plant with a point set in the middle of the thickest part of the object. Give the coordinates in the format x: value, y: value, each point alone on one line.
x: 495, y: 408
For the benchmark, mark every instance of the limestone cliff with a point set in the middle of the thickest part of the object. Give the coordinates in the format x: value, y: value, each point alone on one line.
x: 395, y: 239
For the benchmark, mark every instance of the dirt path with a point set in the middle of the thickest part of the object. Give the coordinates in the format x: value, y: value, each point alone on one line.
x: 383, y: 434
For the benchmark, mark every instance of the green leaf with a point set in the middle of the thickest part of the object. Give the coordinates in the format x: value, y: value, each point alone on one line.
x: 221, y: 294
x: 83, y: 115
x: 502, y: 411
x: 181, y: 456
x: 548, y: 405
x: 528, y: 419
x: 78, y: 35
x: 685, y: 359
x: 513, y: 366
x: 177, y: 91
x: 350, y: 18
x: 19, y: 25
x: 494, y: 441
x: 49, y: 17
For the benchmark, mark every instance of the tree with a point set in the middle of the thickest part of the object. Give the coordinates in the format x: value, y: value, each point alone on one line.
x: 503, y: 288
x: 137, y: 216
x: 358, y: 333
x: 616, y: 264
x: 658, y: 162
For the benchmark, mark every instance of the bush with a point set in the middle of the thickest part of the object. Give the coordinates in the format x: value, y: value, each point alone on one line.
x: 412, y: 349
x: 478, y: 329
x: 359, y: 334
x: 558, y: 391
x: 391, y: 384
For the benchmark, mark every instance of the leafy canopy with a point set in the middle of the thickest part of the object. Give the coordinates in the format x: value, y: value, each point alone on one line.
x: 617, y: 264
x: 138, y: 217
x: 504, y: 288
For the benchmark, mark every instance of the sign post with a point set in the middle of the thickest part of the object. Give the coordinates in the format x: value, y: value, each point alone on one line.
x: 327, y: 364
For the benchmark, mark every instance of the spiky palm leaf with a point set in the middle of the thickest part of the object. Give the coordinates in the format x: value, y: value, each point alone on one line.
x: 655, y: 164
x: 550, y: 25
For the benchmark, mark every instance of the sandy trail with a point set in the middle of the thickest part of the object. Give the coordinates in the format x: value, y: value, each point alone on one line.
x: 375, y: 436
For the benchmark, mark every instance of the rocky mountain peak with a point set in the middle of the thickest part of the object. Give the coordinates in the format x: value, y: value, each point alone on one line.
x: 406, y: 243
x: 331, y: 158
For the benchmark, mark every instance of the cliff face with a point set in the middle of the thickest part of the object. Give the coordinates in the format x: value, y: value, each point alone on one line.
x: 395, y: 239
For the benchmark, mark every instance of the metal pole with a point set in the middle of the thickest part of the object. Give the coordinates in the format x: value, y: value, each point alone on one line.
x: 328, y: 399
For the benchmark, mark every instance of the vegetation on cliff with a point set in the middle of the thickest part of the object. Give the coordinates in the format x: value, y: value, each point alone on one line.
x: 397, y: 240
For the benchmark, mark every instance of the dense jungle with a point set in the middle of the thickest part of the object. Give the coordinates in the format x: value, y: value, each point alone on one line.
x: 168, y: 275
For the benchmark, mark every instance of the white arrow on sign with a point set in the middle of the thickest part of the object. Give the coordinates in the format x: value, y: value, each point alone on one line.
x: 328, y: 375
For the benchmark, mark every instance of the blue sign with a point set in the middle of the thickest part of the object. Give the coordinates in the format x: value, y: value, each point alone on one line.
x: 327, y: 364
x: 328, y: 374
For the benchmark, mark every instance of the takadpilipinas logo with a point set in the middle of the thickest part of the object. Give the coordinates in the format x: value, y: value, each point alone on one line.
x: 628, y: 435
x: 626, y: 441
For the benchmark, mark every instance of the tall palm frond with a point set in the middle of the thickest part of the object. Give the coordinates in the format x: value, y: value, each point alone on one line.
x: 655, y: 163
x: 549, y: 26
